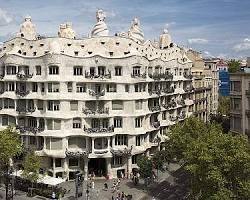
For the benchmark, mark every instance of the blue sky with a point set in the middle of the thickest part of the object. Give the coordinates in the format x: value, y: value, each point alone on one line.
x: 214, y: 27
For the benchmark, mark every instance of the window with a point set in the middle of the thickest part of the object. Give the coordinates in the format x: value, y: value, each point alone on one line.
x: 111, y: 87
x: 77, y: 142
x: 140, y: 87
x: 101, y: 70
x: 73, y: 162
x: 53, y: 70
x: 58, y: 162
x: 42, y: 87
x: 54, y: 143
x: 40, y: 104
x: 10, y: 86
x: 134, y: 159
x: 235, y: 86
x: 117, y: 105
x: 236, y: 104
x: 34, y: 87
x: 164, y: 115
x: 121, y: 140
x: 80, y: 87
x: 38, y: 70
x: 53, y: 105
x: 138, y: 140
x: 126, y: 88
x: 9, y: 103
x: 8, y: 120
x: 136, y: 70
x: 138, y: 122
x: 53, y: 124
x: 53, y: 87
x: 69, y: 86
x: 118, y: 122
x: 116, y: 160
x: 73, y: 105
x: 118, y: 71
x: 138, y: 104
x: 77, y: 123
x: 77, y: 71
x: 11, y: 70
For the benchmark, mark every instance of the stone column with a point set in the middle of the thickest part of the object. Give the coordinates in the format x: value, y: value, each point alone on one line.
x: 108, y: 165
x: 85, y: 168
x: 54, y: 166
x: 66, y: 168
x: 129, y: 166
x: 93, y: 144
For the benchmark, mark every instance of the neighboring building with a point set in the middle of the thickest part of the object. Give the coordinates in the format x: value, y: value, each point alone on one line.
x: 93, y: 104
x: 202, y: 82
x: 223, y: 78
x: 211, y: 67
x: 240, y: 103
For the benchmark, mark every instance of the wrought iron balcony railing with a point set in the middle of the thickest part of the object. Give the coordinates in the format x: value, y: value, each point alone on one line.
x: 158, y: 76
x: 99, y: 130
x: 155, y: 108
x: 168, y: 90
x: 173, y: 118
x: 188, y: 76
x: 99, y: 111
x: 2, y: 76
x: 156, y: 124
x: 24, y: 110
x: 98, y: 76
x: 144, y: 75
x: 24, y: 129
x: 181, y: 102
x: 182, y: 115
x: 22, y: 93
x: 23, y: 76
x: 97, y: 94
x: 189, y: 88
x: 158, y: 92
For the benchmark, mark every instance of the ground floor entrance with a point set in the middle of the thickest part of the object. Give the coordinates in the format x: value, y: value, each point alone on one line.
x: 98, y: 166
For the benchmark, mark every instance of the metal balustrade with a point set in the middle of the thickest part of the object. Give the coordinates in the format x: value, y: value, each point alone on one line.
x: 99, y: 111
x: 99, y: 130
x: 22, y: 93
x: 23, y: 76
x: 98, y: 76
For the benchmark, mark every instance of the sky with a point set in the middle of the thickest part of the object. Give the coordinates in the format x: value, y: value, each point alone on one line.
x: 217, y: 28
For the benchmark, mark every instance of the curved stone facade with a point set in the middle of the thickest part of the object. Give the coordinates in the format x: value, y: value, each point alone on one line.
x: 93, y: 104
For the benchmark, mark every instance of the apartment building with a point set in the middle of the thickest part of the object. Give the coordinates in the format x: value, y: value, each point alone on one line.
x: 93, y: 104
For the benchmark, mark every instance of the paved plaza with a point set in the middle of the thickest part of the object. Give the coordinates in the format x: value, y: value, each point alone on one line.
x: 172, y: 185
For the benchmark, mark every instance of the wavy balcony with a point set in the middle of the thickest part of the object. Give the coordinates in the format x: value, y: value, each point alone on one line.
x: 101, y: 111
x: 156, y: 124
x: 144, y: 75
x: 99, y: 130
x: 23, y: 110
x: 2, y: 76
x: 121, y: 151
x: 22, y: 76
x: 181, y: 102
x: 98, y: 76
x: 168, y: 90
x: 76, y: 153
x: 155, y: 108
x: 22, y: 93
x: 182, y: 116
x: 158, y: 92
x: 189, y: 88
x: 96, y: 94
x: 173, y: 118
x: 159, y: 76
x: 25, y: 129
x: 188, y: 76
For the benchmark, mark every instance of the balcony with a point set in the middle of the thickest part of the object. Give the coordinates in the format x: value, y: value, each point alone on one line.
x: 158, y: 76
x: 188, y: 76
x: 168, y: 90
x: 23, y: 76
x: 99, y: 130
x: 155, y: 108
x: 173, y: 118
x: 100, y: 111
x: 2, y: 76
x: 181, y: 102
x: 24, y: 110
x: 22, y: 93
x: 97, y: 93
x: 144, y: 75
x: 155, y: 124
x: 124, y: 151
x: 24, y: 129
x: 182, y: 115
x: 76, y: 154
x: 247, y: 92
x: 158, y: 92
x: 1, y: 91
x: 189, y: 88
x: 98, y: 76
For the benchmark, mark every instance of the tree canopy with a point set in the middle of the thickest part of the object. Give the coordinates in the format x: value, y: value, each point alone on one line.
x: 224, y: 105
x: 31, y: 166
x: 145, y: 165
x: 219, y: 163
x: 233, y: 66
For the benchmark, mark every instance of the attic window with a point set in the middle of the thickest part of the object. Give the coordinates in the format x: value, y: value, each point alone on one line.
x: 62, y: 51
x: 171, y: 44
x: 22, y: 44
x: 76, y: 53
x: 150, y: 55
x: 12, y: 44
x: 137, y: 48
x: 19, y: 51
x: 82, y: 46
x: 24, y: 53
x: 156, y: 53
x: 102, y: 43
x: 90, y: 52
x: 117, y: 43
x: 31, y: 47
x: 22, y: 35
x: 176, y: 51
x: 4, y: 47
x: 41, y: 45
x: 34, y: 53
x: 46, y: 52
x: 129, y: 44
x: 141, y: 50
x: 69, y: 44
x: 111, y: 53
x: 126, y: 52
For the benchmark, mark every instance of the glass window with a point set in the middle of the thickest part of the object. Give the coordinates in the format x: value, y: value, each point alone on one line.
x: 118, y: 71
x: 117, y: 105
x: 40, y: 104
x: 34, y: 87
x: 53, y: 70
x: 118, y: 122
x: 138, y: 122
x: 53, y: 87
x: 73, y: 162
x: 136, y: 70
x: 73, y: 105
x: 78, y: 71
x: 111, y: 87
x: 138, y: 104
x: 80, y: 87
x: 38, y: 70
x: 58, y: 162
x: 77, y: 123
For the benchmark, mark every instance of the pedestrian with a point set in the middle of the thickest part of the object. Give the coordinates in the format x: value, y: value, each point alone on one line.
x: 105, y: 187
x: 53, y: 196
x: 93, y: 185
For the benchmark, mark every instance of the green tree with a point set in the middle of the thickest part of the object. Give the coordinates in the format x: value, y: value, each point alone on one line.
x: 219, y: 164
x: 10, y: 146
x: 31, y: 167
x: 233, y: 66
x: 145, y: 165
x: 224, y: 105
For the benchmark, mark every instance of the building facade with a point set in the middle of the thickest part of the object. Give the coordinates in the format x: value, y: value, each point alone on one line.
x: 240, y: 103
x: 224, y: 79
x: 93, y: 104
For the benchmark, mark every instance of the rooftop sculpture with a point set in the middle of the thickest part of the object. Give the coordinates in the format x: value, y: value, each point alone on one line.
x: 27, y: 29
x: 100, y: 28
x: 135, y: 31
x: 66, y: 31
